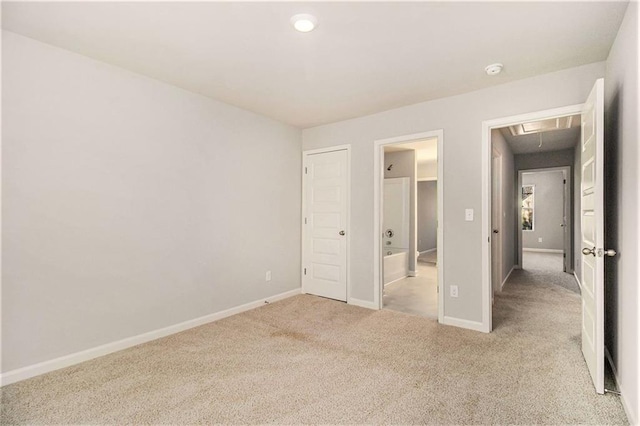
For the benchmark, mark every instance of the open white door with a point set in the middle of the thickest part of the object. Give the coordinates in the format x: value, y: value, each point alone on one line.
x: 325, y: 191
x: 592, y: 219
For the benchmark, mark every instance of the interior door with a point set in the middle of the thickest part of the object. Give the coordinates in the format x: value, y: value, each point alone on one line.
x: 592, y: 219
x: 325, y: 183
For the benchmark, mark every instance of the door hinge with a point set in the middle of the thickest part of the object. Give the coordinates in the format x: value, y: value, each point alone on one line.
x: 305, y: 271
x: 305, y: 220
x: 564, y: 181
x: 305, y: 170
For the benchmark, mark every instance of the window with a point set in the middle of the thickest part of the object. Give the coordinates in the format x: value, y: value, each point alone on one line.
x: 527, y: 207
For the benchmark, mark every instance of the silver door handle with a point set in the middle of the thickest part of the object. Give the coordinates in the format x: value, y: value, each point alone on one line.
x: 610, y: 252
x: 587, y: 251
x: 341, y: 232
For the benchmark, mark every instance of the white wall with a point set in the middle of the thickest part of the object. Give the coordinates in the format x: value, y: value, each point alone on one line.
x: 131, y: 205
x: 428, y: 170
x: 404, y: 165
x: 509, y: 203
x: 427, y: 215
x: 623, y: 204
x: 548, y: 211
x: 461, y: 119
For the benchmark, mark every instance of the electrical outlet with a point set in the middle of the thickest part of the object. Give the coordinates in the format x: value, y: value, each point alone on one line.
x: 468, y: 215
x: 267, y: 276
x: 539, y: 240
x: 453, y: 291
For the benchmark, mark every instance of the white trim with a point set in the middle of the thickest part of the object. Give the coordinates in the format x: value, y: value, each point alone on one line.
x: 427, y: 179
x: 345, y: 147
x: 507, y: 277
x: 577, y: 280
x: 363, y: 303
x: 428, y: 251
x: 625, y: 403
x: 378, y: 175
x: 462, y: 323
x: 542, y: 250
x: 98, y: 351
x: 487, y: 126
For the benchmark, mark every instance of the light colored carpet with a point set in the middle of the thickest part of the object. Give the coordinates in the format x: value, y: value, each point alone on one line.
x: 312, y: 360
x: 544, y: 268
x: 415, y: 295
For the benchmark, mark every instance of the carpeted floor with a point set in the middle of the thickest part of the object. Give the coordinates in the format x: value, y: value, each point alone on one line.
x: 312, y: 360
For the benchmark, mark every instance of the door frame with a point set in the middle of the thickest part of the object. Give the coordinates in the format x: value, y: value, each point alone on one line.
x: 486, y: 151
x: 496, y: 156
x: 568, y: 170
x: 378, y: 176
x: 303, y: 257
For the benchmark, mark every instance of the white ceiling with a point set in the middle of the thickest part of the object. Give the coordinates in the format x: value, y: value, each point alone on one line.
x: 362, y: 58
x: 551, y: 141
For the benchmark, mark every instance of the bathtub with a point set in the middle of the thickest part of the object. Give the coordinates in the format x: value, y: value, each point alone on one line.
x: 395, y: 265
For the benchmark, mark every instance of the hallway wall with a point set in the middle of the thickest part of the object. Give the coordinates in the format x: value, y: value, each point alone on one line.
x: 623, y: 210
x: 510, y: 221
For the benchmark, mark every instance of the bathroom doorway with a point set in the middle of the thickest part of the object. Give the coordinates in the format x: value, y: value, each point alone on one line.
x: 408, y: 243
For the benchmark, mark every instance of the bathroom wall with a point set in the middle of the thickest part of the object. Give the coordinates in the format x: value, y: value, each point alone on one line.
x: 403, y: 164
x: 427, y: 215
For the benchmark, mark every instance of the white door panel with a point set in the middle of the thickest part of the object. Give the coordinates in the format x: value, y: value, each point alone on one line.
x: 325, y: 189
x: 592, y: 220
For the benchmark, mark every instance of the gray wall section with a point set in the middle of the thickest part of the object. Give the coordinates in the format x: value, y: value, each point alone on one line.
x: 509, y: 203
x: 548, y: 211
x: 130, y: 205
x: 542, y: 160
x: 622, y: 201
x: 427, y: 215
x: 404, y: 165
x: 461, y: 119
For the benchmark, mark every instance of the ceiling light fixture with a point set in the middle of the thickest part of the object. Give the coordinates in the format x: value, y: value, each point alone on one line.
x: 494, y: 69
x: 304, y: 22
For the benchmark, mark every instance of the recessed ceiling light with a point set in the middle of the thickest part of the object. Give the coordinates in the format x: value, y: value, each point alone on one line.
x: 304, y: 22
x: 493, y: 69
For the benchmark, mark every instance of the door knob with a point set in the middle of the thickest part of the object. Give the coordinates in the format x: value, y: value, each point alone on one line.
x: 341, y: 232
x: 610, y: 252
x: 587, y: 251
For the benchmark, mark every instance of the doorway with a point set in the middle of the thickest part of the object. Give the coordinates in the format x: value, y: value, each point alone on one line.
x: 546, y: 220
x: 407, y: 236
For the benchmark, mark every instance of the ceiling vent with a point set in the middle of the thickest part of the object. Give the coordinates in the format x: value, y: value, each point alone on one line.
x: 543, y: 126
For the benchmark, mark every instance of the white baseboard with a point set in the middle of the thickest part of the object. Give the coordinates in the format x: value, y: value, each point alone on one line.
x: 98, y: 351
x: 428, y: 251
x: 362, y: 303
x: 541, y: 250
x: 462, y: 323
x: 625, y: 403
x: 507, y: 277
